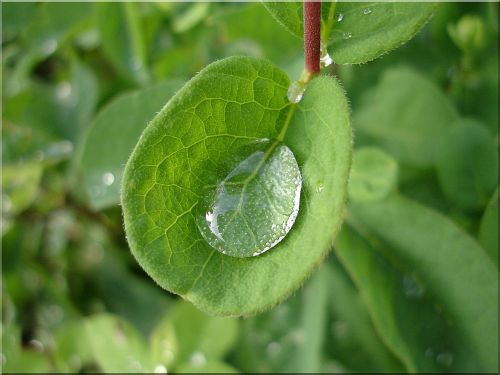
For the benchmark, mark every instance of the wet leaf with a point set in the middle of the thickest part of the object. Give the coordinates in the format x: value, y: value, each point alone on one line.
x: 184, y: 149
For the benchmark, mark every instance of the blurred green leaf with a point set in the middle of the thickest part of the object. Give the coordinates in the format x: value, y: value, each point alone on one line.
x: 127, y: 52
x: 207, y: 367
x: 72, y: 350
x: 191, y: 16
x: 116, y: 346
x: 373, y: 175
x: 353, y: 338
x: 19, y: 186
x: 290, y: 337
x: 112, y: 136
x: 467, y: 164
x: 407, y: 115
x: 403, y: 313
x: 187, y: 336
x: 488, y: 230
x: 454, y: 268
x: 360, y: 32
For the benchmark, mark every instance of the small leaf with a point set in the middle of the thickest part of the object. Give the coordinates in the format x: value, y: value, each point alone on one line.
x: 112, y: 136
x: 187, y: 335
x: 454, y: 267
x: 488, y: 230
x: 19, y: 186
x: 407, y: 115
x: 360, y: 31
x: 116, y: 345
x: 373, y: 175
x: 226, y: 105
x: 127, y: 53
x: 467, y: 164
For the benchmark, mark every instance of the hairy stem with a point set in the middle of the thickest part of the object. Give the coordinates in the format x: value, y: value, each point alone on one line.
x: 312, y: 35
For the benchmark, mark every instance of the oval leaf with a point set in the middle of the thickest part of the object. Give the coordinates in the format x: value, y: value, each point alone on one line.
x: 226, y: 105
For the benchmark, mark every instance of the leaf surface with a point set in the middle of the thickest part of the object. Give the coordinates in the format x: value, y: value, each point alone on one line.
x: 183, y: 149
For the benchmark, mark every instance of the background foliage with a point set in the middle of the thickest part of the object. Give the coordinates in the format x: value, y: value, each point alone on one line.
x: 412, y: 281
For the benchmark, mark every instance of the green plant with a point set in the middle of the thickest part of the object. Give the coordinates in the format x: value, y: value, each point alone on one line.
x: 407, y: 283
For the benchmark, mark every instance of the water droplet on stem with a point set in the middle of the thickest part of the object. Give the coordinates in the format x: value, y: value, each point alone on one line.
x: 296, y: 91
x: 325, y: 58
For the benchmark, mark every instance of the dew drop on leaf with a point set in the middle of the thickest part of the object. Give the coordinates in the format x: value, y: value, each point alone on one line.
x: 347, y: 35
x: 340, y: 17
x: 325, y: 58
x: 367, y: 11
x: 253, y: 207
x: 296, y: 91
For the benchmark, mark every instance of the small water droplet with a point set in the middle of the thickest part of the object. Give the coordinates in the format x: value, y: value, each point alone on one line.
x: 429, y: 353
x: 160, y: 369
x: 63, y: 90
x: 197, y: 358
x: 367, y: 11
x: 319, y: 187
x: 347, y: 35
x: 325, y: 58
x: 108, y: 178
x: 49, y: 46
x: 296, y: 91
x: 134, y: 365
x: 273, y: 349
x: 445, y: 359
x: 37, y: 345
x: 412, y: 288
x: 339, y: 17
x: 254, y: 207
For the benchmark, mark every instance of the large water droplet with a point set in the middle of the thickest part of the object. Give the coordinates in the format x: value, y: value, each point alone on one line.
x: 253, y: 208
x: 296, y: 91
x: 339, y: 17
x: 325, y: 58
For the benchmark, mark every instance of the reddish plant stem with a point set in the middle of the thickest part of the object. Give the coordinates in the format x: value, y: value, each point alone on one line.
x: 312, y: 36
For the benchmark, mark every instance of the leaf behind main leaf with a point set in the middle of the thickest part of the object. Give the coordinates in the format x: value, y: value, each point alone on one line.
x: 361, y: 32
x: 181, y: 151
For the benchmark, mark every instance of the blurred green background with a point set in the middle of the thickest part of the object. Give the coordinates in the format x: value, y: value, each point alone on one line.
x: 79, y: 83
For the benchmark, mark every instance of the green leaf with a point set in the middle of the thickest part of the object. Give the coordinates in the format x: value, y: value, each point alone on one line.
x: 226, y: 105
x: 407, y: 115
x: 207, y: 368
x: 112, y: 136
x: 454, y: 268
x: 373, y: 175
x: 19, y: 186
x: 467, y: 164
x: 354, y: 341
x: 290, y: 337
x: 127, y: 53
x: 116, y: 345
x: 403, y: 313
x: 488, y: 230
x: 187, y: 335
x: 71, y: 351
x: 360, y: 32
